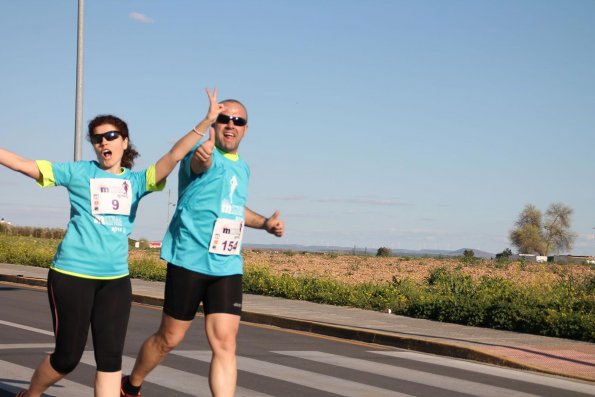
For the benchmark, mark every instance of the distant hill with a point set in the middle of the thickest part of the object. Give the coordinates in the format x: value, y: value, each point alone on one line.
x: 370, y: 251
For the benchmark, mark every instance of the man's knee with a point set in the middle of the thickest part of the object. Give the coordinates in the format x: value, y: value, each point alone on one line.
x: 222, y: 332
x: 171, y: 332
x: 222, y: 343
x: 167, y: 339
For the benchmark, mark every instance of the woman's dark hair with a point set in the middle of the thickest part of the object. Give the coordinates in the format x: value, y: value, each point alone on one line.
x: 130, y: 153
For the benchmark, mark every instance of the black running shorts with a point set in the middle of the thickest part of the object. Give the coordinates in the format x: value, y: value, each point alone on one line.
x: 186, y: 289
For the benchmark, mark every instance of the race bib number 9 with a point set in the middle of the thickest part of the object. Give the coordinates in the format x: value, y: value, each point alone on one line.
x: 227, y: 237
x: 111, y: 196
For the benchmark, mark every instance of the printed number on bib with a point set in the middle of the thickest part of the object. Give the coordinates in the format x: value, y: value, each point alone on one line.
x: 227, y: 237
x: 111, y: 196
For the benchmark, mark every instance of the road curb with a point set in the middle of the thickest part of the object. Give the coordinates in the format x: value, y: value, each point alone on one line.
x: 20, y: 279
x: 382, y: 338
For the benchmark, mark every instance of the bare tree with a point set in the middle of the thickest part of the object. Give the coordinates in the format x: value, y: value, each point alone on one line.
x: 531, y: 215
x: 557, y: 234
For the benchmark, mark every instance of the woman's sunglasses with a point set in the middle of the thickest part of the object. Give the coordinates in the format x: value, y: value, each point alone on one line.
x: 110, y: 136
x: 237, y: 121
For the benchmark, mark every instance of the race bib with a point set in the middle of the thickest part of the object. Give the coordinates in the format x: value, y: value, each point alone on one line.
x: 227, y: 237
x: 111, y: 196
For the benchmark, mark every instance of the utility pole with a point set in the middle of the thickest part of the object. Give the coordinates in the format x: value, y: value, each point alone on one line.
x: 78, y: 111
x: 169, y: 204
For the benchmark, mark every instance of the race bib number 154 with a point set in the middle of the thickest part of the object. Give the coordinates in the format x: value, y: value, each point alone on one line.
x: 227, y: 237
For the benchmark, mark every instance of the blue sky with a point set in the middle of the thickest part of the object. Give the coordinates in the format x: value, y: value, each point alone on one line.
x: 404, y: 124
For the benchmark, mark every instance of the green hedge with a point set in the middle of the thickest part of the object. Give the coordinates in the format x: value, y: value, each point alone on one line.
x: 564, y: 309
x: 27, y: 250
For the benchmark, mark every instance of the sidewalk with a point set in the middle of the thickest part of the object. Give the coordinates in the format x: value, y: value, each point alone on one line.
x: 556, y: 356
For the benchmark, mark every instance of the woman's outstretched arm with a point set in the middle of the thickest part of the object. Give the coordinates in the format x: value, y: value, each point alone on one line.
x: 20, y: 164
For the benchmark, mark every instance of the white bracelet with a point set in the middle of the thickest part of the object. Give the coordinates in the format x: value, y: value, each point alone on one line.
x: 197, y: 132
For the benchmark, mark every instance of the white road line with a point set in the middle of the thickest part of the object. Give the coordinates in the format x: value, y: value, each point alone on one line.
x: 16, y: 377
x: 6, y: 346
x: 341, y: 387
x: 27, y: 328
x: 410, y: 375
x: 175, y: 379
x: 523, y: 376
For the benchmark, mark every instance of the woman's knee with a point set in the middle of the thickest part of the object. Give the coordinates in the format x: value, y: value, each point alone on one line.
x: 64, y: 363
x: 108, y: 362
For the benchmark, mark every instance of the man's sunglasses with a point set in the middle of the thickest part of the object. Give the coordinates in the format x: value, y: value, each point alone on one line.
x: 110, y: 136
x: 237, y: 121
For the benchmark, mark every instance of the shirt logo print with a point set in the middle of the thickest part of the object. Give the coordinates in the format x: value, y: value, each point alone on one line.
x: 233, y: 184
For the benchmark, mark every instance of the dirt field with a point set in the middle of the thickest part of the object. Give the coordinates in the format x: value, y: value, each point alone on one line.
x: 359, y: 269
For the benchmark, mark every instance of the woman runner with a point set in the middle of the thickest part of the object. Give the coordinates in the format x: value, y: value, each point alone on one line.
x: 88, y: 281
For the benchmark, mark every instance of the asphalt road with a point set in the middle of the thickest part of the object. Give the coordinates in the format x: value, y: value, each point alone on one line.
x: 271, y: 361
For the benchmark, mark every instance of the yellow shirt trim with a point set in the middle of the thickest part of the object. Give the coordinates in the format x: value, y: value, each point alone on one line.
x: 87, y: 276
x: 230, y: 156
x: 46, y: 177
x: 152, y: 186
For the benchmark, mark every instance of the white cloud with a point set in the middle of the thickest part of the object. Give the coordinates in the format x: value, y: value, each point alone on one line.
x: 137, y: 16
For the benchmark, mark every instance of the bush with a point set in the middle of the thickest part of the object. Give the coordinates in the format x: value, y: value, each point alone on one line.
x: 383, y: 251
x: 148, y: 268
x: 507, y: 253
x: 469, y: 257
x: 468, y: 253
x: 37, y: 232
x: 27, y: 251
x: 562, y: 309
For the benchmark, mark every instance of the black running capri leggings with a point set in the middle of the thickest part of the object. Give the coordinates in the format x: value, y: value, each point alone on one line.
x: 77, y: 302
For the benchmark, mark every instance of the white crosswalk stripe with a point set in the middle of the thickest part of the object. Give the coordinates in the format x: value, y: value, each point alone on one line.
x: 26, y: 328
x: 16, y: 377
x: 410, y: 375
x: 5, y: 346
x: 493, y: 371
x: 175, y: 379
x: 342, y: 387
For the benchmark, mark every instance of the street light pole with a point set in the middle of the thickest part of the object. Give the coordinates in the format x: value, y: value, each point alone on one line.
x: 78, y: 118
x: 169, y: 204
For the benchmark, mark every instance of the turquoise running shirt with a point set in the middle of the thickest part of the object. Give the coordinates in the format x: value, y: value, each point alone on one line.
x: 218, y: 193
x: 102, y: 211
